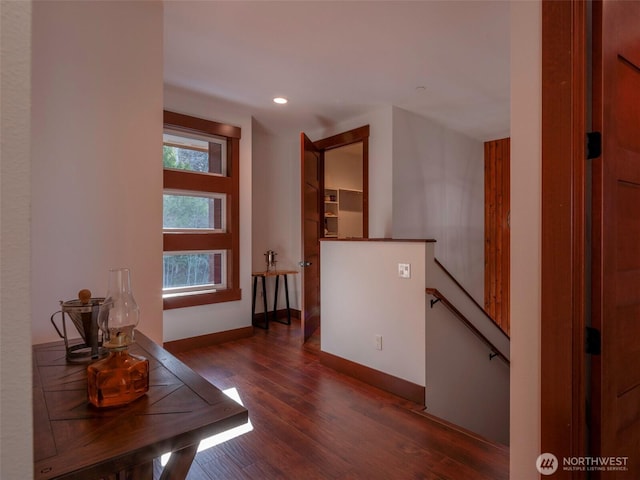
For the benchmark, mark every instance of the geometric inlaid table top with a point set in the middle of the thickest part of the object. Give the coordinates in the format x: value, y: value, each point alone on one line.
x: 75, y: 440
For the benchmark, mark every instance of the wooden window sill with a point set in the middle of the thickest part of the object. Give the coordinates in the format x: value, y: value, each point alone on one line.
x: 195, y: 299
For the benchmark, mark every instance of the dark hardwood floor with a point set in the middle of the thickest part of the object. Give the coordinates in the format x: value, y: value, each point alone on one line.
x: 310, y: 422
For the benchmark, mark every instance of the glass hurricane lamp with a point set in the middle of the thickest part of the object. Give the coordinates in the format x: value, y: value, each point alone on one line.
x: 122, y: 377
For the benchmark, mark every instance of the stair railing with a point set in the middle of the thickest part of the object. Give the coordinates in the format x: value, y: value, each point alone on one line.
x: 439, y: 297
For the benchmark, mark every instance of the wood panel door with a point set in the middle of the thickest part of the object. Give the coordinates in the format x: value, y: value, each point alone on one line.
x: 615, y: 413
x: 311, y: 169
x: 312, y: 207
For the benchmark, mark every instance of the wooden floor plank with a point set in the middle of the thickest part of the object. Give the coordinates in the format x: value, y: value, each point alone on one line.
x: 311, y: 422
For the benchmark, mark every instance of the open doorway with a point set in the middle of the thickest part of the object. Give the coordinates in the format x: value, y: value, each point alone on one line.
x: 334, y: 204
x: 343, y: 192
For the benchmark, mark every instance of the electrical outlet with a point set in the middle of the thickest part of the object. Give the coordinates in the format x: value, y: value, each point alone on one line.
x: 404, y: 270
x: 378, y: 339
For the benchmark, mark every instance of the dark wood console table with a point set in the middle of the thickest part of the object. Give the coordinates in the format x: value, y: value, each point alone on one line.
x: 74, y: 440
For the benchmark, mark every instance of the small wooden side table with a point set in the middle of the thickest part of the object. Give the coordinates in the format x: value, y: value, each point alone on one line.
x: 263, y: 276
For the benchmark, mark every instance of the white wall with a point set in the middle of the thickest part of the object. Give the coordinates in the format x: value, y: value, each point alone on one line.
x: 96, y: 146
x: 464, y: 386
x: 438, y: 193
x: 201, y: 320
x: 16, y: 439
x: 525, y: 237
x: 362, y: 296
x: 276, y: 209
x: 343, y: 168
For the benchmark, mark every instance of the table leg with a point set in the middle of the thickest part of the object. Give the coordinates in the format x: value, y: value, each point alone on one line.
x: 179, y: 464
x: 275, y: 301
x: 286, y: 295
x: 253, y: 301
x: 264, y: 300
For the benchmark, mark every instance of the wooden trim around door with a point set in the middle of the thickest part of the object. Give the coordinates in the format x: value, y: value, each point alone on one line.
x: 563, y: 428
x: 345, y: 138
x: 360, y: 134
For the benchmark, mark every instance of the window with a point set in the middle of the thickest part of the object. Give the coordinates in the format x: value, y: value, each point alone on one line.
x: 200, y: 211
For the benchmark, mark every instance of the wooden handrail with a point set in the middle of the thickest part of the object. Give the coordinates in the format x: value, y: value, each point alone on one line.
x: 470, y: 297
x: 496, y: 352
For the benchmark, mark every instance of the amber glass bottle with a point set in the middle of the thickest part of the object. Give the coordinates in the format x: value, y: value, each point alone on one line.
x: 121, y: 377
x: 118, y: 379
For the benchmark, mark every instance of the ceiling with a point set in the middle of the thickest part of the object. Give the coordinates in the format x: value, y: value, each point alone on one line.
x: 445, y: 60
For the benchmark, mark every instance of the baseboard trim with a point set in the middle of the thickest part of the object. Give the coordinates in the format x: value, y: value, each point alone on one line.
x: 476, y: 436
x: 384, y: 381
x: 280, y: 315
x: 191, y: 343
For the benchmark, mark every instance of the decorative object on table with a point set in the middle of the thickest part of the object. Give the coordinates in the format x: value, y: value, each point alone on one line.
x: 271, y: 260
x: 83, y: 312
x: 121, y: 377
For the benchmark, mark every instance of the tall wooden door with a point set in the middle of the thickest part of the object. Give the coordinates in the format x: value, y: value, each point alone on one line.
x: 311, y: 164
x: 615, y: 420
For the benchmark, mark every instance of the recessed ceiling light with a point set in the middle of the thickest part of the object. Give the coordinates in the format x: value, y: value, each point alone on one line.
x: 280, y: 100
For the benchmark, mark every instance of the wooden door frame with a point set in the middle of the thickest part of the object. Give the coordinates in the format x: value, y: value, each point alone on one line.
x: 563, y: 289
x: 356, y: 135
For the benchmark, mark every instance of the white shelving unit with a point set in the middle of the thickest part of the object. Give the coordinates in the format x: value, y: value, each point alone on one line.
x: 342, y: 213
x: 331, y: 213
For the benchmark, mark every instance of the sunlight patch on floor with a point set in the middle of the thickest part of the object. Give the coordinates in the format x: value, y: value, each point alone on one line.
x: 222, y: 436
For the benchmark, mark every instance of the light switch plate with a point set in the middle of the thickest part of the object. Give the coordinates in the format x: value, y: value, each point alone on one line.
x: 404, y: 270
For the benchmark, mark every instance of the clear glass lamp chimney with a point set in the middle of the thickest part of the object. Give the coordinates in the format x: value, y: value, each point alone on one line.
x: 119, y: 314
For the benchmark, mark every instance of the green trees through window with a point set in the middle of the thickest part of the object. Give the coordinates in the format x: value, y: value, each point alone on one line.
x: 200, y: 211
x: 185, y: 159
x: 192, y: 270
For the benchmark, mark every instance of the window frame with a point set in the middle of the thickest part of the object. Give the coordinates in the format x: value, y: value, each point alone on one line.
x: 185, y: 180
